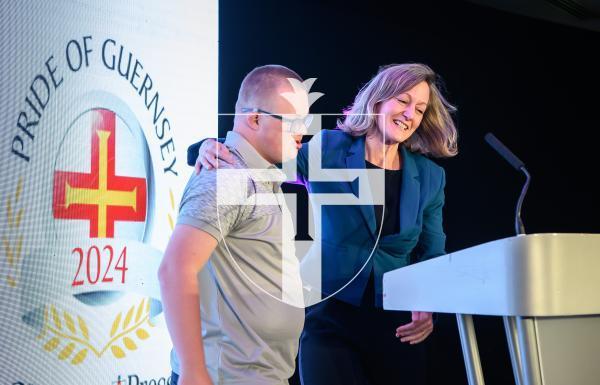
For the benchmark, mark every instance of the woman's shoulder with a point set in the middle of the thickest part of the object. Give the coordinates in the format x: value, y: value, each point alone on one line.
x: 426, y: 165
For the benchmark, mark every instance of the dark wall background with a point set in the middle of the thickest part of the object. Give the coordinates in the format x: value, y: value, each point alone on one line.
x: 532, y: 83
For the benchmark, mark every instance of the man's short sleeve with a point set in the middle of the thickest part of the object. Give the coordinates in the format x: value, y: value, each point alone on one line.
x: 216, y: 201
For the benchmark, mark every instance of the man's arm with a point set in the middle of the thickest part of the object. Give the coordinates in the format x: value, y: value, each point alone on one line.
x: 187, y: 252
x: 209, y: 151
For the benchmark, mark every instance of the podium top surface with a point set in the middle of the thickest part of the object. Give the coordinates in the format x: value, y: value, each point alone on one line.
x: 527, y: 275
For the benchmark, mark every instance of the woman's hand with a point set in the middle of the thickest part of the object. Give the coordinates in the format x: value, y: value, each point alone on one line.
x: 207, y: 155
x: 418, y: 330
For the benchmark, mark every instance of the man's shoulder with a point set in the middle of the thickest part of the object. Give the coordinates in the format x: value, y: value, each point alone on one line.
x: 232, y: 179
x: 210, y: 176
x: 237, y: 163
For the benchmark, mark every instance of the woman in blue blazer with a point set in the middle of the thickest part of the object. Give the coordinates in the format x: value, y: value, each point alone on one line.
x: 397, y: 121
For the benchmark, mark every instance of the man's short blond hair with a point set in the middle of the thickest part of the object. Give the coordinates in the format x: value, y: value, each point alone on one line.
x: 261, y: 84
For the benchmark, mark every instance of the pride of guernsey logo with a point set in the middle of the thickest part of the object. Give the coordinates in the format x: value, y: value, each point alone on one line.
x: 101, y: 197
x: 92, y: 205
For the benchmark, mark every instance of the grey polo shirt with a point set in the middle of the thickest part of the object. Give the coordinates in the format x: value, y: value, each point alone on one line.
x: 250, y: 336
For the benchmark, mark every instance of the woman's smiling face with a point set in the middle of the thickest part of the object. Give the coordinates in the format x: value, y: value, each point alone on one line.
x: 401, y: 115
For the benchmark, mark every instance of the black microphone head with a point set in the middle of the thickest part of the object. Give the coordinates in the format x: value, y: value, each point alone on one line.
x: 504, y: 151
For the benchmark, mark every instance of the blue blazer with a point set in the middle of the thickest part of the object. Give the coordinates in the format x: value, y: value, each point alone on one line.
x: 348, y: 232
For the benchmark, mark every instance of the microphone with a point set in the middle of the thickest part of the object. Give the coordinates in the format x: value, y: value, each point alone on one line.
x: 504, y: 151
x: 518, y: 164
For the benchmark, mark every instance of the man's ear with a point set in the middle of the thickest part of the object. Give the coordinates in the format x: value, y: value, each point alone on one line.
x: 252, y: 121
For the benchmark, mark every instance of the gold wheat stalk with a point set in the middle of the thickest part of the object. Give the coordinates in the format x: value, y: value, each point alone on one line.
x: 67, y: 332
x: 13, y: 251
x: 172, y: 201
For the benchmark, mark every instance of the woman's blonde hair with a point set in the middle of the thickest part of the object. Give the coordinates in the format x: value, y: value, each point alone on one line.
x: 436, y: 136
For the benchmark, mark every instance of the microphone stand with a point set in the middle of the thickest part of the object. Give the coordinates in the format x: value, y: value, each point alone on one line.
x: 519, y: 227
x: 510, y: 323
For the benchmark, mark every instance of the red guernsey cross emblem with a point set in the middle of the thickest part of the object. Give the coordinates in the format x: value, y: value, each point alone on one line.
x: 100, y: 196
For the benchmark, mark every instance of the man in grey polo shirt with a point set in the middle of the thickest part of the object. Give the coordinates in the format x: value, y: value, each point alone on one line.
x: 223, y: 281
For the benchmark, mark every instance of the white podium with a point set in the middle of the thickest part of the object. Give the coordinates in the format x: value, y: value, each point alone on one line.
x: 547, y: 288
